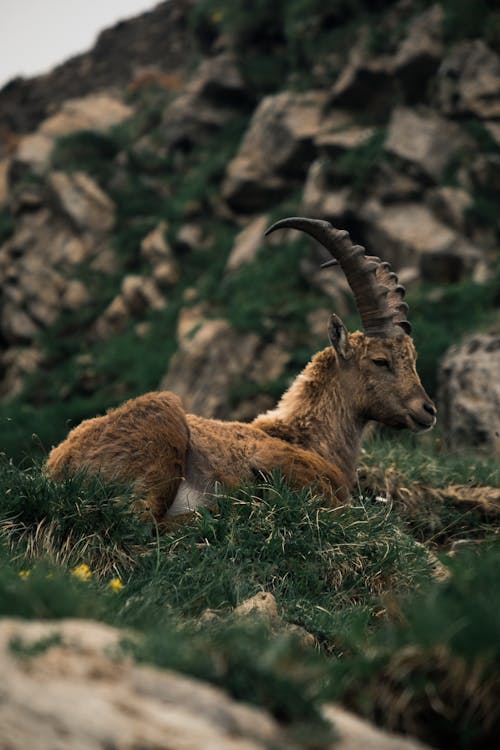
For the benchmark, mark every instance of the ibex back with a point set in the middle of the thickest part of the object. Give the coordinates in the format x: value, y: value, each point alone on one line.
x: 176, y: 461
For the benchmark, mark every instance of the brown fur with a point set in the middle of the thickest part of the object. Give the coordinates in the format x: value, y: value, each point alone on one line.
x: 143, y: 441
x: 312, y: 437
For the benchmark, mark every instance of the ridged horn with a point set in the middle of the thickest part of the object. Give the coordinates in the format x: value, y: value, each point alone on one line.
x: 378, y: 294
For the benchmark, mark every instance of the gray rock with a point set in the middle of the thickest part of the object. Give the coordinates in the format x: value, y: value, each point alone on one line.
x: 469, y: 393
x: 210, y: 99
x: 79, y: 693
x: 275, y: 150
x: 418, y: 56
x: 83, y: 201
x: 208, y: 364
x: 409, y: 234
x: 468, y: 81
x: 76, y: 695
x: 15, y: 364
x: 365, y: 83
x: 450, y: 204
x: 424, y: 139
x: 247, y: 243
x: 98, y: 112
x: 155, y: 248
x: 322, y: 200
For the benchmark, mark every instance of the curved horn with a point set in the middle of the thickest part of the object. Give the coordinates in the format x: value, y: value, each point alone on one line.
x: 378, y: 295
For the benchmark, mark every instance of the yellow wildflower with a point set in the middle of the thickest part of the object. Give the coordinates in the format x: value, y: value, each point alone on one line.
x: 24, y: 574
x: 115, y: 584
x: 217, y: 16
x: 82, y: 572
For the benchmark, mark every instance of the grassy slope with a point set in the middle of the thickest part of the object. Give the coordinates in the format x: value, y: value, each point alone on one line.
x: 354, y: 577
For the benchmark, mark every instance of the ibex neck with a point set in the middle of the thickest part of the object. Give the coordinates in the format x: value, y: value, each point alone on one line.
x: 319, y: 413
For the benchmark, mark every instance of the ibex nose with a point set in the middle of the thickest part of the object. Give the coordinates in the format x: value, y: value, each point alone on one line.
x: 430, y: 408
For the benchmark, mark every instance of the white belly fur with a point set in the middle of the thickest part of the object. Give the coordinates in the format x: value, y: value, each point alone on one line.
x: 188, y: 499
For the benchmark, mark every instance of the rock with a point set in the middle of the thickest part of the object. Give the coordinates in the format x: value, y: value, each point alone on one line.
x: 275, y: 149
x: 155, y: 248
x: 262, y: 604
x: 247, y: 243
x: 189, y: 238
x: 271, y: 361
x: 409, y: 234
x: 355, y: 733
x: 98, y: 112
x: 83, y: 202
x: 450, y: 204
x: 220, y: 81
x: 365, y: 83
x: 39, y: 261
x: 469, y: 393
x: 75, y: 295
x: 424, y: 140
x: 34, y: 152
x: 207, y: 365
x: 468, y: 81
x: 493, y: 129
x: 419, y: 54
x: 212, y: 97
x: 336, y: 142
x: 484, y: 172
x: 189, y: 319
x: 391, y: 185
x: 17, y: 326
x: 74, y: 694
x: 79, y: 692
x: 160, y: 37
x: 4, y: 180
x: 113, y: 320
x: 15, y: 364
x: 140, y: 293
x: 321, y: 200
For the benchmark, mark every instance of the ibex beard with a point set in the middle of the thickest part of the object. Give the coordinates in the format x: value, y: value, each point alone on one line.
x: 177, y: 461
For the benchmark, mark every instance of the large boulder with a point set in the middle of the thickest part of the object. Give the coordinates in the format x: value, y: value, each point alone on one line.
x: 247, y: 243
x: 275, y: 150
x: 157, y: 251
x: 322, y: 199
x: 468, y: 81
x: 469, y: 393
x: 84, y: 203
x: 409, y: 234
x: 208, y: 364
x: 365, y: 83
x: 68, y: 687
x: 75, y: 694
x: 214, y: 361
x: 424, y: 140
x: 97, y: 112
x: 214, y: 94
x: 419, y: 54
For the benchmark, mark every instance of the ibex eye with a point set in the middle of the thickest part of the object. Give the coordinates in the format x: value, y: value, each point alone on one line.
x: 381, y: 362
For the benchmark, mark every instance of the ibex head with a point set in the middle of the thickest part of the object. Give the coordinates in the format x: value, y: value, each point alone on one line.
x: 379, y: 364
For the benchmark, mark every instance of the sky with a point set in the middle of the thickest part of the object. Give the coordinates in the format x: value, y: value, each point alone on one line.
x: 36, y: 35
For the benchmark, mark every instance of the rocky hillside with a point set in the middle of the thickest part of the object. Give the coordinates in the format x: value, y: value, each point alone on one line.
x: 136, y: 183
x: 137, y: 179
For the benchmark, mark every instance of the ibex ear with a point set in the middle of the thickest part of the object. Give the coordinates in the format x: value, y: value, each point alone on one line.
x: 337, y: 333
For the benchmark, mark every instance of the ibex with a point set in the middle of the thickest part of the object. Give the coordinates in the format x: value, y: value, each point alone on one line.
x: 176, y: 461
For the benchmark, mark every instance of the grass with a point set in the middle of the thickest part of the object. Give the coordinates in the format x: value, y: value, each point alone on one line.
x: 389, y: 635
